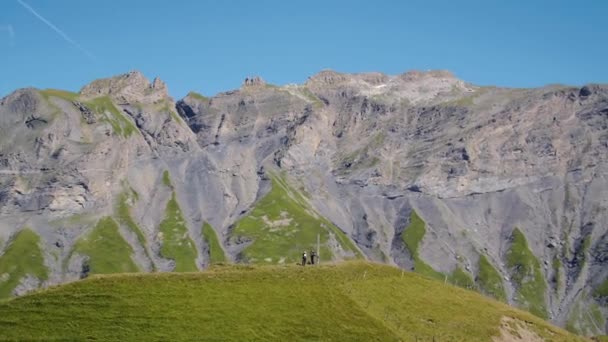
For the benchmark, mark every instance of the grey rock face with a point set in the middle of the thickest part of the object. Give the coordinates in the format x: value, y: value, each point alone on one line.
x: 132, y: 87
x: 367, y: 149
x: 27, y: 283
x: 254, y: 81
x: 87, y: 115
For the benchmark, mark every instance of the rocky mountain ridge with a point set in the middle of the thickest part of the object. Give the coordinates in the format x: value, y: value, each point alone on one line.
x: 497, y: 189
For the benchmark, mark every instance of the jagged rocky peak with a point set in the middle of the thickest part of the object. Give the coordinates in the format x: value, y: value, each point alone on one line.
x: 159, y: 85
x: 373, y: 78
x: 255, y: 81
x: 415, y: 86
x: 432, y: 85
x: 132, y: 87
x: 21, y: 101
x: 328, y: 77
x: 416, y: 75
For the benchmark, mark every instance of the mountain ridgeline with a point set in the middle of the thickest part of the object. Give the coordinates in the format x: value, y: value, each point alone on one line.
x: 498, y: 190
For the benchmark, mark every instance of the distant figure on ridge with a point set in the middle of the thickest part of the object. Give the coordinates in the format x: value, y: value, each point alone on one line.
x: 312, y: 257
x: 304, y: 258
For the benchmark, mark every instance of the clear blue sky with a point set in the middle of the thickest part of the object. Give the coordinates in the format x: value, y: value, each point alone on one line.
x: 211, y: 46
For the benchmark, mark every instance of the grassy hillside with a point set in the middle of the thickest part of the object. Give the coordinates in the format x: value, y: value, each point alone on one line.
x: 602, y: 290
x: 102, y: 106
x: 109, y: 113
x: 526, y: 275
x: 22, y: 257
x: 489, y: 280
x: 176, y: 243
x: 585, y: 318
x: 282, y: 225
x: 108, y: 252
x: 216, y: 253
x: 62, y: 94
x: 347, y: 302
x: 123, y: 214
x: 412, y: 237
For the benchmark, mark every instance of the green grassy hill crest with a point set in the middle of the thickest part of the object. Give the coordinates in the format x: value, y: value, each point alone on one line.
x: 343, y: 302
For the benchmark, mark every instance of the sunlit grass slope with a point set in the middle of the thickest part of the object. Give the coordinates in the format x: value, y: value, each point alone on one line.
x: 106, y: 249
x: 283, y: 224
x: 527, y: 275
x: 353, y: 301
x: 216, y: 253
x: 176, y: 242
x: 21, y: 258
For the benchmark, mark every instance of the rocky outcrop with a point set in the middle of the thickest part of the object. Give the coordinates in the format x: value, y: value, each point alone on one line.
x: 254, y: 82
x: 87, y: 115
x: 132, y: 87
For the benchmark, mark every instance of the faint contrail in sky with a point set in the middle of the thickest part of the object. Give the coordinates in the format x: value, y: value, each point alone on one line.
x: 56, y: 29
x: 11, y: 32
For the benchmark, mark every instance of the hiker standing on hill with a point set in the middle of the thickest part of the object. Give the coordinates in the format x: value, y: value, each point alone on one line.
x: 304, y: 258
x: 312, y: 257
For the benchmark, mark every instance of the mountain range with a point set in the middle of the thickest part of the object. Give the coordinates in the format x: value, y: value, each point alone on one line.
x: 499, y: 190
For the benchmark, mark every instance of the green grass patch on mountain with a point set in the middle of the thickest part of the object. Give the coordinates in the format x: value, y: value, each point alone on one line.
x: 216, y: 252
x: 412, y: 237
x: 21, y: 257
x: 526, y: 275
x: 423, y: 268
x: 167, y: 179
x: 314, y: 99
x: 48, y: 94
x: 414, y: 233
x: 62, y: 94
x: 557, y: 266
x: 123, y: 214
x: 120, y: 124
x: 489, y: 280
x: 174, y: 116
x: 282, y: 225
x: 342, y: 239
x: 198, y: 96
x: 462, y: 279
x: 167, y: 107
x: 586, y: 320
x: 108, y: 252
x: 353, y: 301
x: 602, y: 290
x: 464, y: 99
x: 176, y: 243
x: 581, y: 253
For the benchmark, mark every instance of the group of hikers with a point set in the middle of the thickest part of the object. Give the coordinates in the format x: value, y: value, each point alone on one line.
x: 313, y: 257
